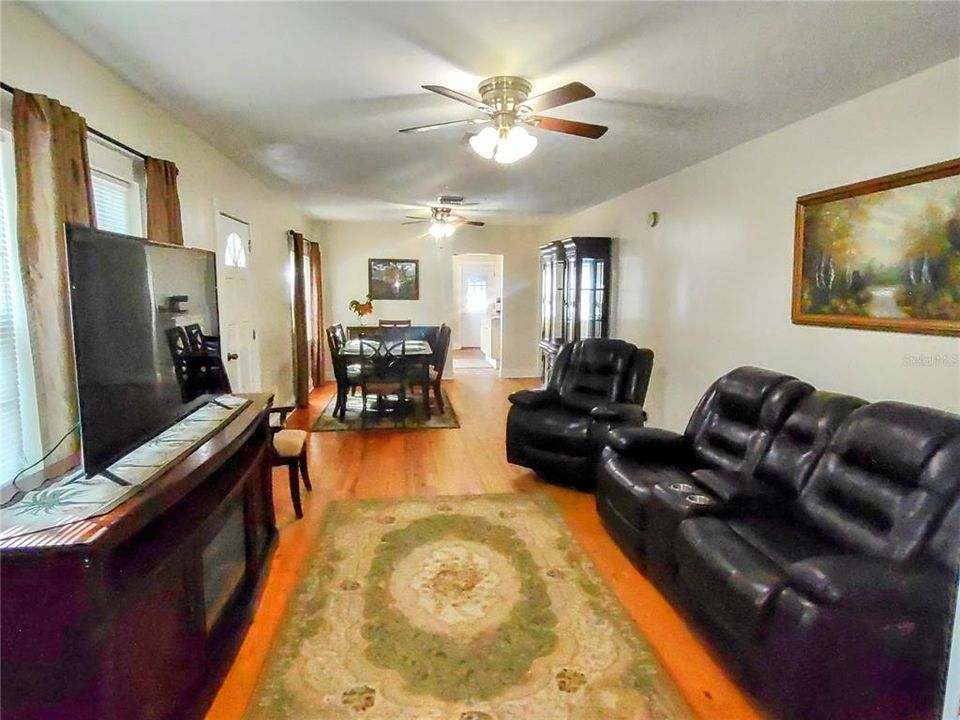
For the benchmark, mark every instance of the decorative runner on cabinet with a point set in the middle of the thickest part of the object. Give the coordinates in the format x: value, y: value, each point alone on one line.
x: 413, y: 418
x: 75, y: 497
x: 460, y: 608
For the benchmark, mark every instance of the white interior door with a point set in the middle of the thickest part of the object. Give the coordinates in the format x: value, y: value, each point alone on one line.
x: 238, y: 336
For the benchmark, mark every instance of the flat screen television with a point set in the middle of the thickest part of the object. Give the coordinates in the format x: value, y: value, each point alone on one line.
x: 126, y: 294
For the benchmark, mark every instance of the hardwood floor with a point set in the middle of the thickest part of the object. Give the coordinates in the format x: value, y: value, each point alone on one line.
x: 465, y: 461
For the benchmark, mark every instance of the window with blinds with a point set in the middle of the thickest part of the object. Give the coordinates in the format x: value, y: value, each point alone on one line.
x: 111, y: 201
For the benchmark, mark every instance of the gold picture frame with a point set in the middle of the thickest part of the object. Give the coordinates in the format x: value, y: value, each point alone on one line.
x: 883, y: 254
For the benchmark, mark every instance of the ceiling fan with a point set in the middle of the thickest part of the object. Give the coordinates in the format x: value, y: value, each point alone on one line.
x: 507, y: 104
x: 442, y: 221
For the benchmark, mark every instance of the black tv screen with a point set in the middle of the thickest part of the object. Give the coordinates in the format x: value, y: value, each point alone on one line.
x: 126, y: 294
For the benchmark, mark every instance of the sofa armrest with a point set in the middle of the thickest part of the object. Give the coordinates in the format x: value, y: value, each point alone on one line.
x: 626, y: 412
x: 651, y: 444
x: 534, y: 398
x: 731, y: 487
x: 865, y: 583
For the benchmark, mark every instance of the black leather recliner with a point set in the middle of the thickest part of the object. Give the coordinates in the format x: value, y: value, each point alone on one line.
x: 559, y: 431
x: 732, y: 425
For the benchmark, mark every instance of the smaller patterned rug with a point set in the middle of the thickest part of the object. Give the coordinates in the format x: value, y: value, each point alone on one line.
x: 477, y: 607
x: 412, y: 418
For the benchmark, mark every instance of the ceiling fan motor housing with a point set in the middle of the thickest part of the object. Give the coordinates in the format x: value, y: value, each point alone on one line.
x: 505, y: 94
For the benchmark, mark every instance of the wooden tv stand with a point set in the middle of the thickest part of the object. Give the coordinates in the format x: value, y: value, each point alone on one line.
x: 138, y: 613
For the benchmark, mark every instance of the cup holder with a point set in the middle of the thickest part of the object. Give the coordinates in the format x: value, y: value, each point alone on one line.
x: 682, y: 487
x: 697, y: 499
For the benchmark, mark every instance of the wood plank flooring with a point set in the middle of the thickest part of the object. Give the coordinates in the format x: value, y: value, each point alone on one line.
x: 465, y: 461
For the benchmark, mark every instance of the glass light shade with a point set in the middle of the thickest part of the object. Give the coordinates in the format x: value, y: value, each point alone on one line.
x: 515, y: 146
x: 484, y: 143
x: 440, y: 230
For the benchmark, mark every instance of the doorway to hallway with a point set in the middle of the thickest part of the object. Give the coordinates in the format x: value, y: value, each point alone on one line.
x: 477, y: 321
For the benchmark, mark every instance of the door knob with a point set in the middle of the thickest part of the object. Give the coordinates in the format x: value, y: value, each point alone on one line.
x: 232, y: 356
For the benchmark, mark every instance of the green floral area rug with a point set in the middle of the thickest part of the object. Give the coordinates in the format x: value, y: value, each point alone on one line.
x: 460, y: 608
x: 412, y: 417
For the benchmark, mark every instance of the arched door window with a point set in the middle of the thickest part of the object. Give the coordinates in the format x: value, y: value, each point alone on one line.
x: 235, y: 255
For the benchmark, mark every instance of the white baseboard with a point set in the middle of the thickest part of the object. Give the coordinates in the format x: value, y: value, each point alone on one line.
x: 508, y: 372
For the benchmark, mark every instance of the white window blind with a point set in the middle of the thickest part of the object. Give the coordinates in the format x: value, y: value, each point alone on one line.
x: 19, y: 424
x: 10, y: 460
x: 111, y: 201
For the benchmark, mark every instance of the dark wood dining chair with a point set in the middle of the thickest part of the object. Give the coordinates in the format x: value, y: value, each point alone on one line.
x: 201, y: 343
x: 339, y: 333
x: 289, y: 447
x: 383, y: 372
x: 347, y: 374
x: 439, y: 362
x: 394, y: 323
x: 205, y: 352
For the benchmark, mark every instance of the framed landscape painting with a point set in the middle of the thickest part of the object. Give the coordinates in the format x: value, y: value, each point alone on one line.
x: 393, y: 279
x: 882, y: 254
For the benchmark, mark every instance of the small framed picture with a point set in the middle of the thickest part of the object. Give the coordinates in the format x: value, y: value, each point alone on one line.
x: 390, y: 279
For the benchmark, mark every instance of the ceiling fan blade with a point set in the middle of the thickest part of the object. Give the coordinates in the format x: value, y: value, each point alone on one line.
x: 463, y: 221
x: 570, y: 127
x: 415, y: 221
x: 459, y: 97
x: 564, y: 95
x: 435, y: 126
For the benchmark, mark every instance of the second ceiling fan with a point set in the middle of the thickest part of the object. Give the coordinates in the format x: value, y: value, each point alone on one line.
x: 506, y: 103
x: 442, y: 221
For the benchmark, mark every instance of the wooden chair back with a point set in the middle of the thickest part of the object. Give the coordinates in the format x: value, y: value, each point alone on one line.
x: 441, y: 349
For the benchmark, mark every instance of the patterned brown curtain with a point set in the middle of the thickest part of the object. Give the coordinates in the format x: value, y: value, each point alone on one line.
x: 163, y: 202
x: 316, y: 314
x: 53, y: 188
x: 301, y: 357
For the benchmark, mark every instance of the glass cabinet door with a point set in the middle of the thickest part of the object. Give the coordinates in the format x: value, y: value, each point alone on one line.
x: 570, y: 304
x: 546, y: 300
x: 599, y: 300
x: 556, y: 327
x: 588, y: 278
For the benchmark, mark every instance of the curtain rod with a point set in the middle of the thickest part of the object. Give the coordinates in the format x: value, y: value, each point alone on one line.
x: 93, y: 131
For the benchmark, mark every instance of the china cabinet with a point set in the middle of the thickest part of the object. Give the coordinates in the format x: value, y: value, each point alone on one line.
x: 574, y: 294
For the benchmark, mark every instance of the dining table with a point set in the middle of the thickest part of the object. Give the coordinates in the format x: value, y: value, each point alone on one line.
x: 414, y: 348
x: 417, y: 352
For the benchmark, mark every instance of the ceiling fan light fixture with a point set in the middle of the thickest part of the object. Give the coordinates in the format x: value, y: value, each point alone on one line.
x: 440, y: 230
x: 484, y: 143
x: 515, y: 145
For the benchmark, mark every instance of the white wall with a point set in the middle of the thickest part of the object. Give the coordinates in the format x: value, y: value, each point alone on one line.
x: 346, y: 247
x: 709, y: 288
x: 37, y: 58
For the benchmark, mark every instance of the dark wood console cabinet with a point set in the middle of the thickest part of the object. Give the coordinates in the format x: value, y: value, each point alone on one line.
x: 138, y: 613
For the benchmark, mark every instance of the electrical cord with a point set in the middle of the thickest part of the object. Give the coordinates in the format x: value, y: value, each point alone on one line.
x: 67, y: 434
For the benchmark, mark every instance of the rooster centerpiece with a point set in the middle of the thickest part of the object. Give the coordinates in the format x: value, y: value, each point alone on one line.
x: 362, y: 309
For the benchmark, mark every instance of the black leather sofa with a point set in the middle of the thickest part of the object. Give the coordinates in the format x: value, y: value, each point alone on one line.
x: 559, y: 431
x: 815, y: 538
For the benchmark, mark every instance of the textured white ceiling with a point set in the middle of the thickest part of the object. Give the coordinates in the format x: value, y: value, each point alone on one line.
x: 309, y: 96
